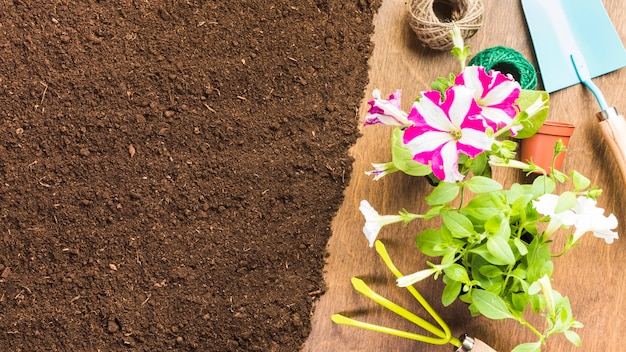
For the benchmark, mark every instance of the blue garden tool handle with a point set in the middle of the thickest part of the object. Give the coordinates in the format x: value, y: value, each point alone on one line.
x: 612, y: 124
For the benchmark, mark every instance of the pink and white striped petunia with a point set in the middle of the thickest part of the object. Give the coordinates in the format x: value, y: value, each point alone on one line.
x: 443, y: 130
x: 495, y: 93
x: 386, y: 111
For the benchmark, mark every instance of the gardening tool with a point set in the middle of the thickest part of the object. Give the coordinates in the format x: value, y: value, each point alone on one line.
x: 575, y: 41
x: 442, y: 333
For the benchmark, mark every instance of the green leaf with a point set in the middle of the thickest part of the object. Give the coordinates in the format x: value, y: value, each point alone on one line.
x: 480, y: 165
x: 494, y: 223
x: 566, y: 201
x: 458, y: 224
x: 538, y: 268
x: 448, y: 259
x: 543, y: 185
x: 573, y: 337
x: 491, y: 305
x: 519, y: 205
x: 402, y: 157
x: 481, y: 184
x: 490, y: 271
x: 522, y: 247
x: 520, y: 301
x: 508, y: 146
x: 486, y: 254
x: 434, y: 211
x: 577, y: 325
x: 451, y: 292
x: 519, y: 273
x: 580, y: 181
x: 528, y: 347
x: 457, y: 272
x: 499, y: 248
x: 444, y: 193
x: 558, y: 175
x: 433, y: 243
x: 442, y: 84
x: 534, y: 111
x: 482, y: 207
x: 477, y: 263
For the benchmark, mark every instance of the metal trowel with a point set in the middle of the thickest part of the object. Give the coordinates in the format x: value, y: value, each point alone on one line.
x: 558, y: 27
x: 574, y: 42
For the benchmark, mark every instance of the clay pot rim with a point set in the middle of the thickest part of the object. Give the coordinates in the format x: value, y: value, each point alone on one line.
x: 557, y: 128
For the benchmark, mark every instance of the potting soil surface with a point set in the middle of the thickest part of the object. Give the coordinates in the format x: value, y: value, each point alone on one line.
x: 169, y: 169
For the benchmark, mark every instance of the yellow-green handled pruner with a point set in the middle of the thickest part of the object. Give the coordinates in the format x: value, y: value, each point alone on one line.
x: 442, y: 333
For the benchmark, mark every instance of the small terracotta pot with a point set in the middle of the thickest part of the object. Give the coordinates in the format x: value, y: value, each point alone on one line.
x: 540, y: 147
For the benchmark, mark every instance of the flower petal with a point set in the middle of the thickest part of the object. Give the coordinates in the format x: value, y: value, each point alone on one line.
x: 410, y: 279
x: 474, y: 142
x: 445, y: 165
x: 591, y: 218
x: 427, y: 113
x: 495, y: 92
x: 424, y: 145
x: 375, y: 222
x: 443, y: 129
x: 382, y: 170
x: 386, y: 111
x: 462, y: 105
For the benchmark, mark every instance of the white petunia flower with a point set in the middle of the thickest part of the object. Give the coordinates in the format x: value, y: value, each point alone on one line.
x: 381, y: 170
x: 408, y: 280
x: 386, y: 111
x: 591, y: 218
x: 546, y: 205
x: 374, y: 222
x: 585, y: 217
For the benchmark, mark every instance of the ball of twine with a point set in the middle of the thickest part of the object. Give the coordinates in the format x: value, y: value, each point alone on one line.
x: 431, y: 20
x: 507, y: 61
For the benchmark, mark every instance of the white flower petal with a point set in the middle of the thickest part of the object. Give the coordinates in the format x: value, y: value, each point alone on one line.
x: 450, y: 159
x: 434, y: 115
x: 496, y: 115
x: 463, y: 99
x: 428, y: 141
x: 537, y: 106
x: 590, y: 218
x: 546, y: 204
x: 386, y: 111
x: 471, y: 80
x: 499, y: 93
x: 374, y: 222
x: 476, y: 139
x: 409, y: 280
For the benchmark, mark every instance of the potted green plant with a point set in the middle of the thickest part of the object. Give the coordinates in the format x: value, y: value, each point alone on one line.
x: 493, y: 246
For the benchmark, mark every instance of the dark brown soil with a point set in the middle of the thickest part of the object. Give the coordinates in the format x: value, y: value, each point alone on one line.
x: 169, y: 169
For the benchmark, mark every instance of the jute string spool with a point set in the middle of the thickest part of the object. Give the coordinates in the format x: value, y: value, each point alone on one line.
x: 431, y: 20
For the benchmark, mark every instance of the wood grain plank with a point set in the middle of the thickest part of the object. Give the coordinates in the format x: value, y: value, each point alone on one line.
x: 592, y: 275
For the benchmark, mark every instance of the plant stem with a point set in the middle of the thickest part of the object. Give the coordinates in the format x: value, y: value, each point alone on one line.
x: 462, y: 197
x: 533, y: 329
x: 506, y: 280
x: 502, y: 131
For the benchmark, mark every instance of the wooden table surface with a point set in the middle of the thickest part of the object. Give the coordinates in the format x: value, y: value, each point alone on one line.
x: 592, y: 274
